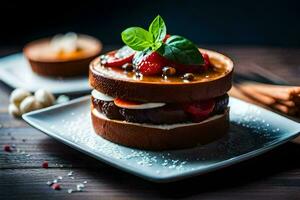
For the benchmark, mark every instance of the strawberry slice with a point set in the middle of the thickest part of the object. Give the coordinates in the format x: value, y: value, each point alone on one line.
x: 199, y: 111
x: 135, y: 105
x: 125, y: 103
x: 118, y: 58
x: 150, y: 63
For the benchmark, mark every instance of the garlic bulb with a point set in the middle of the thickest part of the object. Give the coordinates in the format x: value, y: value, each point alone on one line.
x: 29, y: 104
x: 13, y: 110
x: 44, y: 97
x: 18, y: 95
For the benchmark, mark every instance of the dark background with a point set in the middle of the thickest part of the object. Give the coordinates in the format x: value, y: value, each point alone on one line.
x: 236, y: 22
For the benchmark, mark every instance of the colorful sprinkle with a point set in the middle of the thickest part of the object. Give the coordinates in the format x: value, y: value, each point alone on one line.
x: 45, y: 164
x: 7, y: 148
x: 56, y: 186
x: 70, y: 191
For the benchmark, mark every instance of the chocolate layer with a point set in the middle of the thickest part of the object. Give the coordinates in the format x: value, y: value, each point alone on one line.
x: 169, y: 114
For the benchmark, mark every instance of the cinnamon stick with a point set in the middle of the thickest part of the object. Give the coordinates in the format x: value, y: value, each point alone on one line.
x: 249, y: 93
x: 287, y: 103
x: 284, y: 109
x: 285, y: 93
x: 235, y: 92
x: 253, y: 94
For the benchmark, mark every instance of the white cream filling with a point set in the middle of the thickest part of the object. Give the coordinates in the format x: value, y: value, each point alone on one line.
x: 99, y: 95
x: 141, y: 106
x: 103, y: 97
x: 163, y: 126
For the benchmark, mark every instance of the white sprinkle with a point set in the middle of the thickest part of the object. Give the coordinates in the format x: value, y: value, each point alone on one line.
x: 79, y: 187
x: 85, y: 182
x: 72, y: 177
x: 62, y: 99
x: 70, y: 173
x: 60, y: 177
x: 55, y: 181
x: 49, y: 183
x: 70, y: 191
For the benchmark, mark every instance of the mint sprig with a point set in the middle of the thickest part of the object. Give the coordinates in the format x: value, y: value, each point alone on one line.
x: 176, y: 48
x: 139, y: 39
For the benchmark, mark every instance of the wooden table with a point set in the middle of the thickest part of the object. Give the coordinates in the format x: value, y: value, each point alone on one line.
x: 275, y: 175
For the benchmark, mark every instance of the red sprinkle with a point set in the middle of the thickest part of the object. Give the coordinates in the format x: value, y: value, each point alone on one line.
x: 7, y: 148
x: 45, y: 164
x: 55, y: 186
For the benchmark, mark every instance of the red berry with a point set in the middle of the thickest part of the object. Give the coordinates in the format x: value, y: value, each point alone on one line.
x: 166, y: 37
x: 55, y: 186
x: 206, y: 61
x: 7, y: 148
x: 149, y: 68
x: 151, y: 64
x: 45, y: 164
x: 118, y: 58
x: 200, y: 110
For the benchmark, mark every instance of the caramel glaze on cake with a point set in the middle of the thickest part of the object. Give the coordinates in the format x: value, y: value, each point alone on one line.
x: 117, y: 83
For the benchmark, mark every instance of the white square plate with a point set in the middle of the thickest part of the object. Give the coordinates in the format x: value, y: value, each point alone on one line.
x: 253, y: 131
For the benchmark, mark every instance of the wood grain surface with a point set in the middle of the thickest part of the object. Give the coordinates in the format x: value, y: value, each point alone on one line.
x: 275, y: 175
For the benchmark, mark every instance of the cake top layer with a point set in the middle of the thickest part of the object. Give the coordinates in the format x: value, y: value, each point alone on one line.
x: 220, y: 67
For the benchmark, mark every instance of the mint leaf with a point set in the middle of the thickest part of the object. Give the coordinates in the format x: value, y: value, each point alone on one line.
x: 158, y: 29
x: 181, y: 50
x: 137, y: 38
x: 156, y: 46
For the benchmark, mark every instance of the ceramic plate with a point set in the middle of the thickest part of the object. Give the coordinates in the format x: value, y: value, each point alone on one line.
x: 253, y: 131
x: 15, y: 71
